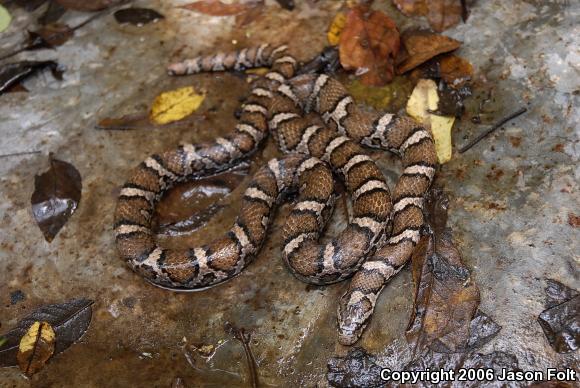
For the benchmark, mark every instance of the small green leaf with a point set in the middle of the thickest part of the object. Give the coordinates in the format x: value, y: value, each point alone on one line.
x: 5, y: 18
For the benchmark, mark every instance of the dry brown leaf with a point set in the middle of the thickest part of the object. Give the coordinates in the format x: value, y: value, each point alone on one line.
x: 369, y: 43
x: 420, y: 46
x: 218, y: 8
x: 446, y: 298
x: 454, y: 70
x: 441, y: 14
x: 36, y: 347
x: 50, y: 35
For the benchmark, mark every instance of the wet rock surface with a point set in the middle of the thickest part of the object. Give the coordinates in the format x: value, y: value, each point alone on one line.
x: 511, y: 198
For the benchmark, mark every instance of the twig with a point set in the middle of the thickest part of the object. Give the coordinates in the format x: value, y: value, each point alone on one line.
x: 493, y: 128
x: 19, y: 153
x: 240, y: 335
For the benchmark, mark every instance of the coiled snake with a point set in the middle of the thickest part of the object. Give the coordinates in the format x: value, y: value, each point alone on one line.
x: 317, y: 125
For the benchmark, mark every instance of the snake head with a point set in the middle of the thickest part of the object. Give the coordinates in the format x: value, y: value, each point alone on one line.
x: 354, y: 310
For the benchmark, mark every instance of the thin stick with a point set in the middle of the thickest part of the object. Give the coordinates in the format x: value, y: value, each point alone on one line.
x: 244, y: 338
x: 19, y: 154
x: 493, y: 128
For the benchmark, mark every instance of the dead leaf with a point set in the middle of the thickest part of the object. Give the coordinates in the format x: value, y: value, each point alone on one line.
x: 5, y: 18
x: 83, y: 5
x: 335, y: 29
x: 561, y: 319
x: 357, y: 369
x: 57, y: 193
x: 573, y: 220
x: 137, y: 16
x: 423, y: 101
x: 446, y: 297
x: 12, y: 74
x: 419, y: 46
x: 441, y: 14
x: 36, y: 347
x: 49, y: 36
x: 69, y: 320
x: 175, y: 105
x: 455, y: 71
x: 127, y: 122
x: 218, y: 8
x: 369, y: 43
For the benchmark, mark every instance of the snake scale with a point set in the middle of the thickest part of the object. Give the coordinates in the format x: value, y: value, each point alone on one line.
x: 321, y: 131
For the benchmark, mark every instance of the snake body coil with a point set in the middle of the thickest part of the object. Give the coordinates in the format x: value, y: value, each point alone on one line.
x: 317, y: 125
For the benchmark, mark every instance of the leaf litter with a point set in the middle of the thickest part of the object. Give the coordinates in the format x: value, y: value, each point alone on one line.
x: 369, y: 43
x: 174, y: 105
x: 219, y: 8
x: 423, y: 101
x: 446, y: 328
x: 56, y: 196
x: 69, y: 320
x: 12, y: 74
x: 35, y: 348
x: 137, y: 16
x: 560, y: 321
x: 441, y: 14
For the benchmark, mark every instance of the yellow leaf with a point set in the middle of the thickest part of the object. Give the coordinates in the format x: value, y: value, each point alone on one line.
x: 424, y: 99
x: 258, y: 70
x: 36, y: 347
x: 175, y: 105
x: 5, y: 18
x: 333, y: 34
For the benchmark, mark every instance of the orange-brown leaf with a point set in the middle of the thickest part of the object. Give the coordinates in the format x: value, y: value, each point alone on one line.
x: 441, y: 14
x: 420, y: 46
x: 369, y: 43
x: 217, y: 8
x: 455, y: 70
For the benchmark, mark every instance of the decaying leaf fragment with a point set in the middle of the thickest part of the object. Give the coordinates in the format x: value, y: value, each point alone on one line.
x: 561, y: 319
x: 11, y: 74
x: 57, y: 193
x: 69, y: 320
x: 335, y: 29
x: 219, y: 8
x: 369, y: 44
x: 446, y: 298
x: 422, y: 102
x: 49, y: 36
x: 441, y: 14
x: 36, y: 347
x: 137, y: 16
x: 175, y: 105
x: 419, y: 46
